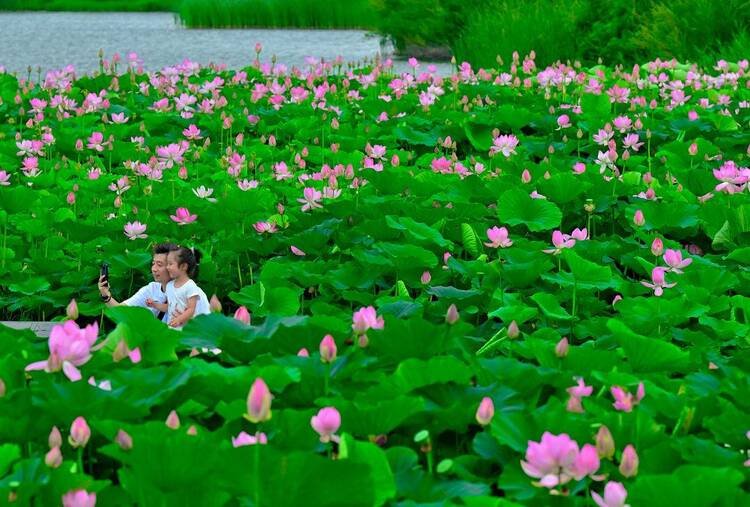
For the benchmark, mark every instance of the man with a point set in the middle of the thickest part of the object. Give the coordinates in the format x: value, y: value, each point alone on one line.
x: 154, y: 291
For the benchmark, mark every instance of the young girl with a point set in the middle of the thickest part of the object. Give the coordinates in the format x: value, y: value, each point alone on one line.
x: 185, y: 299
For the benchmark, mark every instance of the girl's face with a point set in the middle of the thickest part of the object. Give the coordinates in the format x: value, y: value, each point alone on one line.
x: 174, y: 268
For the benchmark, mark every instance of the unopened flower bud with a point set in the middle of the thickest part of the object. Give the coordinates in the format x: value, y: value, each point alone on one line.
x: 259, y: 402
x: 562, y: 347
x: 485, y: 411
x: 173, y: 420
x: 124, y: 440
x: 72, y: 310
x: 657, y: 247
x: 214, y: 304
x: 79, y: 433
x: 451, y: 316
x: 605, y: 444
x: 629, y: 462
x: 513, y: 331
x: 53, y: 458
x: 638, y: 218
x: 55, y: 438
x: 242, y: 315
x: 327, y: 349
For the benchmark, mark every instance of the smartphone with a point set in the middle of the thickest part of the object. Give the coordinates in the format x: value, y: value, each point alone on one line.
x: 104, y: 272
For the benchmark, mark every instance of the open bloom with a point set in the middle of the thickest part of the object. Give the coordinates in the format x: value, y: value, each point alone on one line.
x: 614, y: 495
x: 365, y: 319
x: 505, y: 145
x: 551, y: 460
x: 577, y: 393
x: 96, y: 142
x: 561, y: 241
x: 624, y: 401
x: 204, y: 193
x: 183, y: 217
x: 245, y: 439
x: 658, y: 282
x: 135, y: 230
x: 311, y: 199
x: 733, y: 179
x: 674, y: 260
x: 498, y: 237
x: 69, y: 347
x: 326, y: 423
x: 79, y: 498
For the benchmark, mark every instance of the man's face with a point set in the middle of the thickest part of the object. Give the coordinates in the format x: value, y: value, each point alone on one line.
x: 159, y: 268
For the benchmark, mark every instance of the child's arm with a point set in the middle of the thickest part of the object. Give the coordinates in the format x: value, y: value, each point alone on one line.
x: 162, y: 307
x: 187, y: 314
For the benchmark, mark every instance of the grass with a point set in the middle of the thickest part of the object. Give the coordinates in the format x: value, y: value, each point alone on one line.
x: 89, y: 6
x: 277, y: 14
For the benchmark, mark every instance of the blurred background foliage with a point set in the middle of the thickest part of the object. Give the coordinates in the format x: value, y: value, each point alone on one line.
x: 478, y: 31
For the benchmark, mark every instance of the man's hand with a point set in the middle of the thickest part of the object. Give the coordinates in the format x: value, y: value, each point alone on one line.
x: 149, y: 302
x: 104, y: 287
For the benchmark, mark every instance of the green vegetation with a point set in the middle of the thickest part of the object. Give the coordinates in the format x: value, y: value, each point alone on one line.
x: 277, y: 13
x: 619, y: 31
x: 88, y: 5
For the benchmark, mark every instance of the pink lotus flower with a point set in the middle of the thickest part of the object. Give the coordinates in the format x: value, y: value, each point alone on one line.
x: 242, y: 315
x: 183, y: 216
x: 297, y: 251
x: 173, y: 420
x: 365, y: 319
x: 69, y: 347
x: 498, y: 237
x: 326, y: 423
x: 505, y: 144
x: 96, y: 142
x: 327, y: 349
x: 577, y: 393
x: 425, y: 278
x: 605, y: 444
x: 452, y: 316
x: 629, y: 462
x: 72, y: 310
x: 4, y: 179
x: 562, y: 348
x: 614, y: 496
x: 485, y: 411
x: 631, y: 142
x: 259, y: 402
x: 244, y: 439
x: 579, y: 168
x: 124, y: 440
x: 192, y: 132
x: 55, y: 438
x: 172, y: 153
x: 563, y: 121
x: 657, y: 247
x: 673, y: 259
x: 658, y: 282
x: 733, y: 179
x: 119, y: 118
x: 303, y: 352
x: 311, y: 199
x: 551, y: 460
x: 560, y: 241
x: 135, y: 230
x: 53, y: 458
x: 204, y: 193
x: 79, y: 433
x: 79, y: 498
x: 263, y: 227
x: 624, y: 400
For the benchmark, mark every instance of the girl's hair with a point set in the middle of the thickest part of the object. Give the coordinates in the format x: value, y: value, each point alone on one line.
x: 189, y: 256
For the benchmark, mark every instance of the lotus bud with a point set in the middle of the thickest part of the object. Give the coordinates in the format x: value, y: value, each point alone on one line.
x: 657, y: 247
x: 118, y: 202
x: 561, y: 349
x: 72, y: 310
x: 71, y: 198
x: 451, y: 316
x: 55, y: 438
x: 53, y: 458
x: 2, y: 388
x: 363, y: 340
x: 124, y: 440
x: 513, y: 331
x: 638, y: 218
x: 629, y: 462
x: 242, y: 315
x: 215, y: 304
x: 173, y: 420
x: 182, y: 173
x: 526, y: 176
x: 395, y: 161
x: 693, y: 149
x: 426, y: 277
x: 485, y: 411
x: 327, y: 349
x: 605, y: 444
x: 79, y: 433
x: 303, y: 352
x: 259, y: 402
x: 192, y: 430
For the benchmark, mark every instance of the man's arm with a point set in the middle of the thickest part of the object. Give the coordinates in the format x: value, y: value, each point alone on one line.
x: 106, y: 293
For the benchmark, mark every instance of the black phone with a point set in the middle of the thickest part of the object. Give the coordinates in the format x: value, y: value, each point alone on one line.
x: 104, y: 271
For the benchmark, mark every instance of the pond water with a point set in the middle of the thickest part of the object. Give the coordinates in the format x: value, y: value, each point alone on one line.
x: 51, y: 40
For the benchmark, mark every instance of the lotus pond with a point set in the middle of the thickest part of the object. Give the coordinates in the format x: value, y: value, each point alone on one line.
x: 511, y: 286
